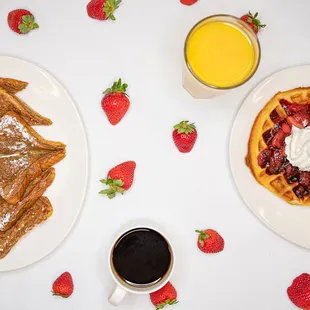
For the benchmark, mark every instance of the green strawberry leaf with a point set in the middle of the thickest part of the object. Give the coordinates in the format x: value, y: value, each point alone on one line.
x: 185, y: 127
x: 117, y: 87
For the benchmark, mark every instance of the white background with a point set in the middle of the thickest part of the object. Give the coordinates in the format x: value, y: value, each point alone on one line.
x: 182, y: 192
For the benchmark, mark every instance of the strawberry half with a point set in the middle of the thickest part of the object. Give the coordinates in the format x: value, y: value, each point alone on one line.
x: 184, y: 136
x: 253, y: 21
x: 279, y: 138
x: 292, y: 108
x: 119, y: 179
x: 301, y: 119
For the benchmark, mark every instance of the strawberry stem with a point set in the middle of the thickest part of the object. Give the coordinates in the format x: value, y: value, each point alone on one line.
x: 202, y: 236
x: 254, y: 20
x: 115, y: 186
x: 27, y: 24
x: 117, y: 87
x: 165, y: 303
x: 185, y: 127
x: 109, y: 8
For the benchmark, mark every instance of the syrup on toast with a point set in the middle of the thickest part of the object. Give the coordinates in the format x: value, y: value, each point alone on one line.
x: 12, y: 86
x: 10, y: 214
x: 35, y: 215
x: 9, y: 102
x: 24, y: 155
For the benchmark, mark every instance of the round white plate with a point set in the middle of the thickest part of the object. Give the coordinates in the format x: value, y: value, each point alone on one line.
x: 48, y: 97
x: 290, y: 222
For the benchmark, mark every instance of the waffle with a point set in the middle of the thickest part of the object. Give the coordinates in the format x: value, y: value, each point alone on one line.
x: 277, y: 184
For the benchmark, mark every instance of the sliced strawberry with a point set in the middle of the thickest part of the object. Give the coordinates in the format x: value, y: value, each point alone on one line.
x: 278, y: 139
x: 291, y: 174
x: 274, y: 116
x: 276, y: 162
x: 286, y: 128
x: 264, y: 157
x: 300, y: 191
x: 304, y: 179
x: 292, y: 108
x: 268, y: 136
x: 301, y: 119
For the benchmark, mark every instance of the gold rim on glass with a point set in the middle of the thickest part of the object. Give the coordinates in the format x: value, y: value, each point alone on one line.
x: 245, y: 25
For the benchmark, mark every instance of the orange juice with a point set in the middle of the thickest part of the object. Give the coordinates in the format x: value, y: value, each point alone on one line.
x: 221, y: 52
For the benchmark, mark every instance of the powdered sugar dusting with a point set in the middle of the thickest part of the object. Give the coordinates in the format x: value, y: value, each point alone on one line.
x: 8, y: 121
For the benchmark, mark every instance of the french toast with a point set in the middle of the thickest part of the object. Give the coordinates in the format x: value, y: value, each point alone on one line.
x: 9, y: 102
x: 24, y: 155
x: 266, y: 155
x: 10, y: 214
x: 35, y: 215
x: 12, y: 86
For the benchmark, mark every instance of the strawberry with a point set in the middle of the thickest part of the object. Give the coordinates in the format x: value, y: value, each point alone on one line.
x: 299, y: 291
x: 115, y: 102
x: 188, y: 2
x: 278, y: 139
x: 63, y: 285
x: 167, y: 295
x: 184, y: 136
x: 21, y: 21
x: 119, y: 179
x: 209, y: 241
x: 102, y: 9
x: 264, y: 158
x: 253, y: 22
x: 301, y: 119
x: 286, y: 128
x: 292, y: 108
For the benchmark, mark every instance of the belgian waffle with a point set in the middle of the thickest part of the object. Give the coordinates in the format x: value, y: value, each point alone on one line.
x: 277, y: 184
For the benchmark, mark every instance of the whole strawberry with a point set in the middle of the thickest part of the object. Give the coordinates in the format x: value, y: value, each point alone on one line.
x: 102, y: 9
x: 188, y: 2
x: 119, y: 179
x: 115, y: 102
x: 167, y: 295
x: 184, y: 136
x: 253, y: 21
x: 299, y: 291
x: 21, y: 21
x: 63, y: 285
x: 209, y: 241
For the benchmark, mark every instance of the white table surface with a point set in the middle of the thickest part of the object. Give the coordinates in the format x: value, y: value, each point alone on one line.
x: 182, y: 192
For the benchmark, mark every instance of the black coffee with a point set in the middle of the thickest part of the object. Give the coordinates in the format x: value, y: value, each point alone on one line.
x: 141, y: 256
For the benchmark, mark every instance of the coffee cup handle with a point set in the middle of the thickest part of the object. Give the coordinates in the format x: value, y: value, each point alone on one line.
x: 117, y: 296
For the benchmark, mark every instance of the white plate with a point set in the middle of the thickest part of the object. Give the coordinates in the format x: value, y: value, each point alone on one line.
x: 290, y: 222
x: 47, y: 96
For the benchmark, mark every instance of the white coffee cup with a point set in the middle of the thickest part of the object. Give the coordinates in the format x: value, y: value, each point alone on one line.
x: 122, y: 287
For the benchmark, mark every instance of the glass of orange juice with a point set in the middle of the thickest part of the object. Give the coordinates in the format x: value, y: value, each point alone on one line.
x: 221, y: 52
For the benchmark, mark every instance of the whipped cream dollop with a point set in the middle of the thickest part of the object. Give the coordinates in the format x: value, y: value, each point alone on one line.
x: 297, y: 148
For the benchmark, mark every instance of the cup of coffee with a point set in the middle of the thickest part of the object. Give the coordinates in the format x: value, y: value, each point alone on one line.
x: 141, y: 261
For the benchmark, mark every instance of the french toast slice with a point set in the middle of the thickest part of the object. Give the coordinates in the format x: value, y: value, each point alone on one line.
x: 12, y: 86
x: 24, y: 155
x: 9, y: 102
x: 34, y: 216
x: 10, y: 214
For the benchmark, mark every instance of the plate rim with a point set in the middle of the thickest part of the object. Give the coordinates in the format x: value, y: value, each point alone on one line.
x: 87, y: 163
